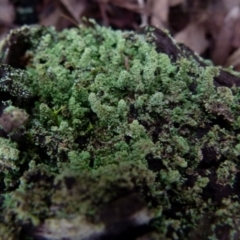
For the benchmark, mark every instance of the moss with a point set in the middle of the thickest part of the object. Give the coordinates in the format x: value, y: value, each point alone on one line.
x: 13, y: 83
x: 113, y: 124
x: 88, y: 196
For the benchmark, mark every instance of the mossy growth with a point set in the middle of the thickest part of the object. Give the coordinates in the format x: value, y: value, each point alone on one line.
x: 113, y: 124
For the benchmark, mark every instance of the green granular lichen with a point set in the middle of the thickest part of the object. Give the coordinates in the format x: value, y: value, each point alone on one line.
x: 110, y: 117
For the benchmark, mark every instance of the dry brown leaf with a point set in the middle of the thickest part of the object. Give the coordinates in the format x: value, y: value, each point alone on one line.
x: 132, y: 6
x: 159, y: 12
x: 216, y: 13
x: 230, y: 4
x: 234, y: 60
x: 6, y: 12
x: 173, y: 3
x: 75, y: 8
x: 236, y: 35
x: 224, y: 39
x: 193, y: 36
x: 50, y: 19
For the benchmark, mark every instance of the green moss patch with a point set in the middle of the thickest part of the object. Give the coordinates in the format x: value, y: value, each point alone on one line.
x: 112, y: 122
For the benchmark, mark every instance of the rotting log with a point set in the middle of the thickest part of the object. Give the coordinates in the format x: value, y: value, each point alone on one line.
x: 115, y: 135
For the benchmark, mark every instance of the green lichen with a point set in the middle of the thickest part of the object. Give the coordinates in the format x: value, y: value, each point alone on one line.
x: 113, y: 124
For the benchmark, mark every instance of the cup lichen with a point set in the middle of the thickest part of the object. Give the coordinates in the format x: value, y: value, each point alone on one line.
x: 116, y: 136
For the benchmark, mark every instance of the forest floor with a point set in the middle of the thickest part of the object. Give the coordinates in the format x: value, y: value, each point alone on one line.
x: 210, y: 28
